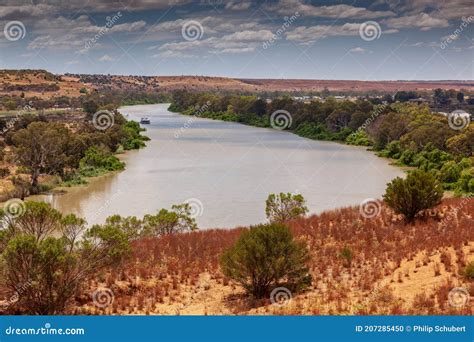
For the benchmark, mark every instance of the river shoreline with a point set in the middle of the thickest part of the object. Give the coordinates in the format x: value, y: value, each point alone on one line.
x: 227, y: 170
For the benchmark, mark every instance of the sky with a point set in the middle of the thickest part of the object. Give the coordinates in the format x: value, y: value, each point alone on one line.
x: 283, y: 39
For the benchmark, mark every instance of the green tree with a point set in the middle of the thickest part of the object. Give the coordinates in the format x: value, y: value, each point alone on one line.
x: 267, y: 256
x: 441, y: 97
x: 9, y: 104
x: 466, y: 181
x: 41, y: 148
x: 44, y: 262
x: 419, y: 191
x: 99, y: 157
x: 131, y: 226
x: 178, y: 219
x: 38, y: 220
x: 284, y: 207
x: 90, y: 107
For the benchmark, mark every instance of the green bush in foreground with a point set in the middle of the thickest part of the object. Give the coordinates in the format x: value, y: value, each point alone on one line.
x: 267, y: 256
x: 419, y: 191
x: 45, y: 257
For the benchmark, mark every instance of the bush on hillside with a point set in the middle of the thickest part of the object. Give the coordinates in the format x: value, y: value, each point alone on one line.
x: 284, y: 207
x: 419, y: 191
x: 265, y: 257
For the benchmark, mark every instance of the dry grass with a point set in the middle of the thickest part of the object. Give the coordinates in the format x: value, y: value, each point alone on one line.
x: 396, y: 269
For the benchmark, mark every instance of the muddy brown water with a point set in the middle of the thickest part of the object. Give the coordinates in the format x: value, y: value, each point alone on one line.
x: 225, y: 171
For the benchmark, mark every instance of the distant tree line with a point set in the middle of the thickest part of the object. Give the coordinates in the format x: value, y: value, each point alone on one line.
x: 407, y: 132
x: 38, y: 147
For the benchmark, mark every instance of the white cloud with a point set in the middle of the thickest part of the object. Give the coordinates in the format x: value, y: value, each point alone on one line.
x: 287, y: 7
x: 106, y: 58
x: 237, y: 42
x: 173, y: 54
x: 358, y: 50
x: 238, y: 5
x: 310, y: 34
x: 210, y: 25
x: 15, y: 12
x: 48, y: 7
x: 422, y: 21
x: 448, y: 10
x: 248, y: 36
x: 63, y: 33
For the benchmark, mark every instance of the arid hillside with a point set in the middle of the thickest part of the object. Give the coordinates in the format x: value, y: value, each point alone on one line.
x: 43, y: 84
x: 39, y: 83
x: 356, y: 86
x: 395, y: 269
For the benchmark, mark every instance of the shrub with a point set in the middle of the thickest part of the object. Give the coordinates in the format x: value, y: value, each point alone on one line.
x: 346, y: 255
x: 359, y: 138
x: 178, y: 219
x: 133, y: 140
x: 465, y: 183
x: 45, y: 261
x: 4, y: 172
x: 419, y: 191
x: 450, y: 172
x: 99, y: 158
x: 468, y: 271
x: 283, y: 207
x: 266, y: 256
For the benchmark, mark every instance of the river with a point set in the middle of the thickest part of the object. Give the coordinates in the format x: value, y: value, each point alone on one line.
x: 225, y: 171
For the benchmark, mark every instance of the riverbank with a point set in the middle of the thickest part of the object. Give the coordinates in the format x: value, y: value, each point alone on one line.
x: 220, y: 167
x: 409, y: 134
x: 91, y: 152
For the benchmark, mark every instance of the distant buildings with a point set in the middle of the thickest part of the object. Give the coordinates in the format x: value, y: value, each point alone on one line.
x: 418, y: 101
x: 307, y: 98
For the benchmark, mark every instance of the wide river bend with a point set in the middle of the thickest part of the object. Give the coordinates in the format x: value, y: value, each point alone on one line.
x: 226, y: 171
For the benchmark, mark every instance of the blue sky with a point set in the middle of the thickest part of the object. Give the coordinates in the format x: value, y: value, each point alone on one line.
x: 365, y: 40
